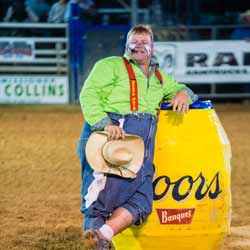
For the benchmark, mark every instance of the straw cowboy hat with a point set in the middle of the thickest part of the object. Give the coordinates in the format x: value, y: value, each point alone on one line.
x: 119, y: 157
x: 244, y: 14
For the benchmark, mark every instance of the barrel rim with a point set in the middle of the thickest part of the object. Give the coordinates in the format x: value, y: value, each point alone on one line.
x: 199, y: 104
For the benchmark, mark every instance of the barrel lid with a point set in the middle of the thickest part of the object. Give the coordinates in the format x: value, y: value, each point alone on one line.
x: 199, y: 104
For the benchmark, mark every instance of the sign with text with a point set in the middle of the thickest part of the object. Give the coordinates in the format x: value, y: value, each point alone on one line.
x: 205, y: 61
x: 16, y: 50
x: 34, y: 89
x: 175, y: 216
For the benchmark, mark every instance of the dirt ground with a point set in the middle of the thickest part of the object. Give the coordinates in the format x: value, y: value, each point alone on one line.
x: 40, y: 178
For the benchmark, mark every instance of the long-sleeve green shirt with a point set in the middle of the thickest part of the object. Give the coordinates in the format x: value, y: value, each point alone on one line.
x: 107, y: 89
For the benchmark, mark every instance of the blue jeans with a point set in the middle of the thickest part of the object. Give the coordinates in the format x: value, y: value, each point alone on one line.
x: 135, y: 195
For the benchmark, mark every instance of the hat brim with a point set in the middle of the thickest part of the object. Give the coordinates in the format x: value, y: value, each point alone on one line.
x: 97, y: 162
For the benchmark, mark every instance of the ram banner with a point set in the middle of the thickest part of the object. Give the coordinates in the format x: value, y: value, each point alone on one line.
x: 205, y: 62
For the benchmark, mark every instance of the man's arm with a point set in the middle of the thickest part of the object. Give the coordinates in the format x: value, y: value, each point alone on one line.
x: 179, y: 95
x: 94, y: 94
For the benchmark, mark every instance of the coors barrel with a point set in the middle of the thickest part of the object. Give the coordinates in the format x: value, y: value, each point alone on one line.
x: 192, y: 199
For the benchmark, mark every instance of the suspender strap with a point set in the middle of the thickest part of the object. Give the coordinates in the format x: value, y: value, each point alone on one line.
x: 159, y: 76
x: 134, y: 85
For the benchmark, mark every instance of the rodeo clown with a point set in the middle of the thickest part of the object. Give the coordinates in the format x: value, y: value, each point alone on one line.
x: 120, y: 100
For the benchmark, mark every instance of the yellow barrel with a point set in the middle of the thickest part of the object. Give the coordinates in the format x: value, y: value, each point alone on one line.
x: 192, y: 198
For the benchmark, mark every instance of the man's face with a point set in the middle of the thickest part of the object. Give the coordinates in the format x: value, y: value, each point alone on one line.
x: 140, y: 47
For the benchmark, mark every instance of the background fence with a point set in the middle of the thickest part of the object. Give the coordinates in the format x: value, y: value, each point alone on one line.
x: 64, y: 54
x: 34, y: 63
x: 100, y: 42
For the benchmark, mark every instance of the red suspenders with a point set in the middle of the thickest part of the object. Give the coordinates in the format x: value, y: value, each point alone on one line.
x: 158, y: 75
x: 133, y: 84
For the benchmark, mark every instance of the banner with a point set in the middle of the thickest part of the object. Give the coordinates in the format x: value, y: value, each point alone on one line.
x: 16, y: 50
x: 205, y: 62
x: 34, y: 89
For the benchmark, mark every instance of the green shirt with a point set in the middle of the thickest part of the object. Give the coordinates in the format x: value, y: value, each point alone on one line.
x: 107, y: 89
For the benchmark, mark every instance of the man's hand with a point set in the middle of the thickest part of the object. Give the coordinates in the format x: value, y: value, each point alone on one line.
x: 114, y: 132
x: 180, y: 102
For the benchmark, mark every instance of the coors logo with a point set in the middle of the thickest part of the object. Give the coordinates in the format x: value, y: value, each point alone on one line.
x: 175, y: 216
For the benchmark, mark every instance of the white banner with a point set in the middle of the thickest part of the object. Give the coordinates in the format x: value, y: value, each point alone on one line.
x: 205, y: 62
x: 16, y: 50
x: 34, y: 89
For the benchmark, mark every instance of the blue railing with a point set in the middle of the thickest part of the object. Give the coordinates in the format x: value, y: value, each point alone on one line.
x: 78, y: 50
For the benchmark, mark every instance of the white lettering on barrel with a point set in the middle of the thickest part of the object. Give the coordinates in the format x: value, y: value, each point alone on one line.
x: 164, y: 217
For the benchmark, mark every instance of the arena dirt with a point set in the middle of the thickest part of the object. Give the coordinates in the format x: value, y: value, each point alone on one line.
x: 40, y: 177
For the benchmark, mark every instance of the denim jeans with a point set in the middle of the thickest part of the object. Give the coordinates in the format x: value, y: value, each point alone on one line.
x: 135, y: 195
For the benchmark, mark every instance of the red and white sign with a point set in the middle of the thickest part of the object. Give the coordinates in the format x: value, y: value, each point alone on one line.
x: 17, y: 50
x: 175, y: 216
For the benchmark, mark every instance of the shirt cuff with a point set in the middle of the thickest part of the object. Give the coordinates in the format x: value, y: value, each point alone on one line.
x: 191, y: 94
x: 100, y: 125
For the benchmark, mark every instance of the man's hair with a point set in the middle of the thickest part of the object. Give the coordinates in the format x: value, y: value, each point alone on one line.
x: 141, y: 29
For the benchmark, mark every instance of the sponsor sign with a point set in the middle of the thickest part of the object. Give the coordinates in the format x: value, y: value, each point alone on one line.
x: 205, y: 62
x: 204, y: 188
x: 34, y: 89
x: 16, y: 50
x: 175, y: 216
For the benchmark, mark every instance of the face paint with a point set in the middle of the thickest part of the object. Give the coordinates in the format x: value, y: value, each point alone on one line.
x: 131, y: 47
x: 147, y: 48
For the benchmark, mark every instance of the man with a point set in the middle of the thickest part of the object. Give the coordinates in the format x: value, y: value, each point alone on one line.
x: 243, y: 33
x: 37, y: 10
x: 57, y: 12
x: 108, y: 105
x: 86, y: 7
